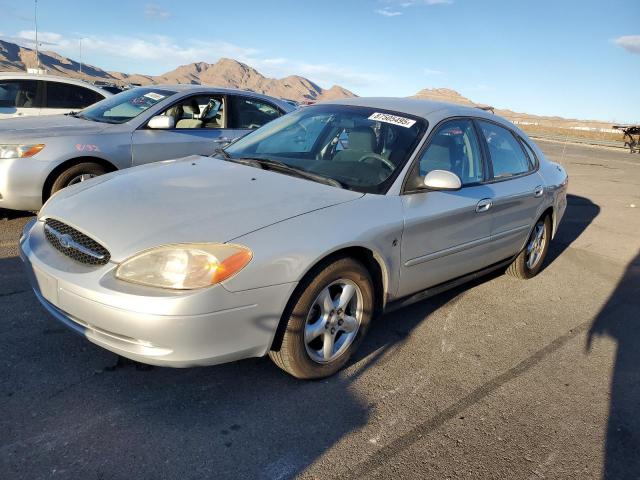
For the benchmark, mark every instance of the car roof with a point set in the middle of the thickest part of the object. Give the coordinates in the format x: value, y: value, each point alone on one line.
x: 52, y: 78
x: 191, y: 88
x: 414, y: 106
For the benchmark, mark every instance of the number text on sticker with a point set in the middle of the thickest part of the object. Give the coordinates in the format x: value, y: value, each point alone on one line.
x: 393, y: 119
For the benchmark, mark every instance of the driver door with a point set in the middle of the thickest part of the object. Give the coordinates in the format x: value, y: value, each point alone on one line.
x: 446, y: 233
x: 200, y: 127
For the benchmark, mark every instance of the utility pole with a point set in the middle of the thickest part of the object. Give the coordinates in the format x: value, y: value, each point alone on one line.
x: 81, y: 57
x: 35, y: 21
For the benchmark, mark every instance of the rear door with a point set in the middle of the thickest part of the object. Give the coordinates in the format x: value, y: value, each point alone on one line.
x: 62, y: 97
x: 200, y: 128
x: 446, y: 233
x: 19, y: 98
x: 516, y: 190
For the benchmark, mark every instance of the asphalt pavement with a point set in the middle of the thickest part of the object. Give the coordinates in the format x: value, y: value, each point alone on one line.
x: 501, y: 378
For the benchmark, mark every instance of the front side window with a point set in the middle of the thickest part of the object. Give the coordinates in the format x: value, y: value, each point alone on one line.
x: 249, y: 114
x: 199, y: 111
x: 71, y: 97
x: 507, y: 156
x: 18, y: 93
x: 125, y: 106
x: 455, y: 148
x: 360, y: 148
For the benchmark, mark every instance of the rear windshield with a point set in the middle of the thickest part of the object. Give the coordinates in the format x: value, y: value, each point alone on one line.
x: 124, y: 106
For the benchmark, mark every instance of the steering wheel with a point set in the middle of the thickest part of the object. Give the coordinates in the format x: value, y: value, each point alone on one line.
x: 385, y: 161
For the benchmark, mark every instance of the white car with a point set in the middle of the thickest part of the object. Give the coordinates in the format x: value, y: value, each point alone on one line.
x: 24, y: 94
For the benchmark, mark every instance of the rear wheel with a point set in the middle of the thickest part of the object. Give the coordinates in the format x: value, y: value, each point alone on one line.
x: 77, y: 174
x: 529, y: 262
x: 326, y: 321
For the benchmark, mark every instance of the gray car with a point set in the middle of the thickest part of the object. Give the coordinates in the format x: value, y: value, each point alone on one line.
x: 41, y: 155
x: 295, y: 237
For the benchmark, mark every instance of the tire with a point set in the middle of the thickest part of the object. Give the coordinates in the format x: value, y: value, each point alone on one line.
x: 525, y: 266
x: 73, y: 174
x: 313, y: 315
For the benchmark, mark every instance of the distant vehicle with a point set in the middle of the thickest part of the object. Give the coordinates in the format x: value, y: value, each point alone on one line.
x: 24, y: 94
x: 290, y: 242
x: 137, y: 126
x: 631, y: 136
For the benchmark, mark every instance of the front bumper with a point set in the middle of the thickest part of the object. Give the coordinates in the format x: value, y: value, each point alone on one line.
x: 166, y: 328
x: 21, y: 183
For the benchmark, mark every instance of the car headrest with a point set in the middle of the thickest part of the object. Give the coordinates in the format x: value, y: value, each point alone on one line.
x: 192, y: 107
x: 362, y: 138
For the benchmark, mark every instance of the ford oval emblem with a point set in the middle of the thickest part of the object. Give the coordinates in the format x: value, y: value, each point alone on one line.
x: 65, y: 240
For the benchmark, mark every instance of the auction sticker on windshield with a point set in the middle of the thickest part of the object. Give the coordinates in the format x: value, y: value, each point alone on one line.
x: 154, y: 96
x: 393, y: 119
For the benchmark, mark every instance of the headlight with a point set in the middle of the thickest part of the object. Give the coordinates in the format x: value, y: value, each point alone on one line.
x: 185, y: 266
x: 19, y: 151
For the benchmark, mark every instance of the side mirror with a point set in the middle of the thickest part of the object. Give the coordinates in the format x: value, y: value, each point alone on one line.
x: 162, y: 122
x: 442, y: 180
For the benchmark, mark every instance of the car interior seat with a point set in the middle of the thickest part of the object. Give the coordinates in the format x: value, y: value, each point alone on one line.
x: 191, y: 109
x: 362, y: 142
x: 438, y: 155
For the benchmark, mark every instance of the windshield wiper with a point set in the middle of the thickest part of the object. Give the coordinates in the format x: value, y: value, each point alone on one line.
x: 286, y: 168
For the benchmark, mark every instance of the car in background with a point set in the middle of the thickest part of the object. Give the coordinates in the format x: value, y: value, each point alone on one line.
x: 298, y: 240
x: 23, y: 94
x: 41, y: 155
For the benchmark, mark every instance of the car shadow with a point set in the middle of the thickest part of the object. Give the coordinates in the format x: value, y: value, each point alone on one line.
x: 12, y: 214
x: 619, y: 320
x: 245, y: 419
x: 578, y: 216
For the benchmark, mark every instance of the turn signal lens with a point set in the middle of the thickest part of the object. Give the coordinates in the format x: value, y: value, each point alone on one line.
x: 19, y: 151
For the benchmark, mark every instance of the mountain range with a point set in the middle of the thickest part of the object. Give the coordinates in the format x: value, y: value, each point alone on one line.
x: 233, y: 74
x: 224, y: 73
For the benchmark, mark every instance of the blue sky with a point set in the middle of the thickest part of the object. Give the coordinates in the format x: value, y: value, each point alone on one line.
x: 552, y: 57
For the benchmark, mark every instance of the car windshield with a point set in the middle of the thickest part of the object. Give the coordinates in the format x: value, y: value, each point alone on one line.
x: 359, y: 148
x: 124, y: 106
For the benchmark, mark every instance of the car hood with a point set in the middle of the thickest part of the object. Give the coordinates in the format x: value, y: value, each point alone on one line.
x: 46, y: 126
x: 191, y: 200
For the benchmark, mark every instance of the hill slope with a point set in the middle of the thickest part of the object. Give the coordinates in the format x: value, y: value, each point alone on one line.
x: 224, y: 73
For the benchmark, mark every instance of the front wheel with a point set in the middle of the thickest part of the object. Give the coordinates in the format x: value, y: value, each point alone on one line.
x: 529, y: 262
x: 327, y: 320
x: 77, y: 174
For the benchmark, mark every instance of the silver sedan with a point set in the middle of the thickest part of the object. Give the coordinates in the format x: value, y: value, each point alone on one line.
x: 41, y: 155
x: 295, y: 237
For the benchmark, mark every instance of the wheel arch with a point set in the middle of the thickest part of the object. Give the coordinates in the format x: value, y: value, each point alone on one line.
x: 370, y: 259
x: 55, y: 173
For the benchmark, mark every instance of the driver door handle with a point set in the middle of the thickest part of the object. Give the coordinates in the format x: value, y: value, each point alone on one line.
x: 483, y: 205
x: 538, y: 191
x: 221, y: 140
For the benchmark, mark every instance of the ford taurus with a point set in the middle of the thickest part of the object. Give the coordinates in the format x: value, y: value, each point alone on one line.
x: 292, y: 239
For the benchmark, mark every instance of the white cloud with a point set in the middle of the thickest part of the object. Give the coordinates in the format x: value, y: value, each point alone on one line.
x: 166, y: 53
x: 387, y: 12
x: 152, y: 10
x: 631, y: 43
x: 430, y: 72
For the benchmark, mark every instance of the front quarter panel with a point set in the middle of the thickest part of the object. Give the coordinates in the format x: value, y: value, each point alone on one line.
x: 286, y: 251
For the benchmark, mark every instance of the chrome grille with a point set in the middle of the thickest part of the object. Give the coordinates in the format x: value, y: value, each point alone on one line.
x: 74, y: 244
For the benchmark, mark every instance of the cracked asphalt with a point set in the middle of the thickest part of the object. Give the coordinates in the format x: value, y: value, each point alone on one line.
x: 500, y: 378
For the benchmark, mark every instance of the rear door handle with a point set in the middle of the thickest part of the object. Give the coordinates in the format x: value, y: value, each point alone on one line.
x: 483, y: 205
x: 221, y: 140
x: 538, y: 191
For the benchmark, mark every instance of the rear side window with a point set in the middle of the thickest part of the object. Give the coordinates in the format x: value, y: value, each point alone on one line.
x: 247, y: 113
x: 62, y: 95
x: 530, y: 153
x: 18, y: 93
x: 507, y: 155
